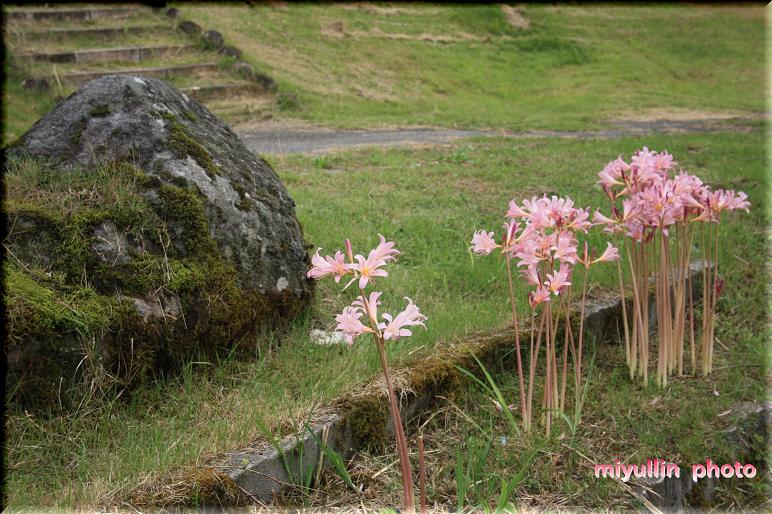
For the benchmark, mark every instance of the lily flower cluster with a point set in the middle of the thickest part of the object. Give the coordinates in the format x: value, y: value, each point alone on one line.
x: 542, y: 236
x: 364, y: 271
x: 652, y: 200
x: 659, y: 210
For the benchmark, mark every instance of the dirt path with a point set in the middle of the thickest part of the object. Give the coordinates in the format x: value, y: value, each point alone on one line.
x: 306, y: 140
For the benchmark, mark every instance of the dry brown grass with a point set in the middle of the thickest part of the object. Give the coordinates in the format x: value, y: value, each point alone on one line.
x: 678, y: 114
x: 515, y: 17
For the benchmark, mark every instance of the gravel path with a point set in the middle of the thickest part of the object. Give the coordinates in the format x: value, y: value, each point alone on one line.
x: 326, y: 141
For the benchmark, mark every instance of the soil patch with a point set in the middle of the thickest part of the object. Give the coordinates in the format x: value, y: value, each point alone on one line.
x: 515, y: 17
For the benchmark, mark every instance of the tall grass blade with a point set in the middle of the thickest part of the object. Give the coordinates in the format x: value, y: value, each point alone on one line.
x: 336, y: 460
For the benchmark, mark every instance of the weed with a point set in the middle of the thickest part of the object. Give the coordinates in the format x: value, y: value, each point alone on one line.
x: 323, y: 162
x: 335, y: 459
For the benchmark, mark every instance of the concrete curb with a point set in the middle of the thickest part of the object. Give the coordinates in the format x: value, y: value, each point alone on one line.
x: 222, y: 91
x: 262, y: 472
x: 95, y: 32
x: 71, y: 14
x: 130, y: 53
x: 81, y: 77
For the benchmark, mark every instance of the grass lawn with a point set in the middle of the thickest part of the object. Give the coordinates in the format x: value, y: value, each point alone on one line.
x: 429, y: 201
x: 360, y: 65
x: 573, y: 67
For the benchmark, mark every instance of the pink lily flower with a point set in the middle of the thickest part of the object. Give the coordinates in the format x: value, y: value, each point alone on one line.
x: 322, y: 266
x: 559, y: 208
x: 368, y: 269
x: 515, y: 211
x: 565, y: 250
x: 729, y: 200
x: 531, y: 275
x: 609, y: 255
x: 394, y: 329
x: 612, y: 174
x: 540, y: 218
x: 611, y: 226
x: 540, y: 295
x: 630, y: 209
x: 634, y: 229
x: 578, y: 220
x: 529, y: 253
x: 483, y: 242
x: 557, y: 280
x: 385, y: 251
x: 369, y: 305
x: 349, y: 324
x: 510, y: 228
x: 644, y: 160
x: 663, y: 161
x: 600, y: 219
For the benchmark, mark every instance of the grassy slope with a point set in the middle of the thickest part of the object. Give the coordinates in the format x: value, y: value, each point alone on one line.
x: 574, y: 67
x: 429, y: 201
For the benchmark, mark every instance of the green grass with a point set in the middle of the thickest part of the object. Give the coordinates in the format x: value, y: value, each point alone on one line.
x: 574, y: 67
x: 429, y: 201
x: 620, y: 419
x: 142, y: 17
x: 21, y: 107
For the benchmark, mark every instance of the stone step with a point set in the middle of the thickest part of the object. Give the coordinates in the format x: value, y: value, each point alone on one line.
x: 93, y: 13
x: 216, y: 92
x: 126, y: 54
x: 80, y: 77
x: 92, y: 32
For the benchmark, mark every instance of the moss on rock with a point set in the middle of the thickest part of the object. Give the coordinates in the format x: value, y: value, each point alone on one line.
x: 76, y: 134
x: 100, y: 111
x: 367, y: 417
x: 62, y: 294
x: 181, y: 144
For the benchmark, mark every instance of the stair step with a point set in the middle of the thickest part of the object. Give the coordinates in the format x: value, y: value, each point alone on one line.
x: 93, y: 32
x: 70, y: 13
x: 222, y: 91
x: 129, y: 54
x: 79, y: 77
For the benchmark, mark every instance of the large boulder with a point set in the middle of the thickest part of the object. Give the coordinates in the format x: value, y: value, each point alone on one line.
x: 187, y: 241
